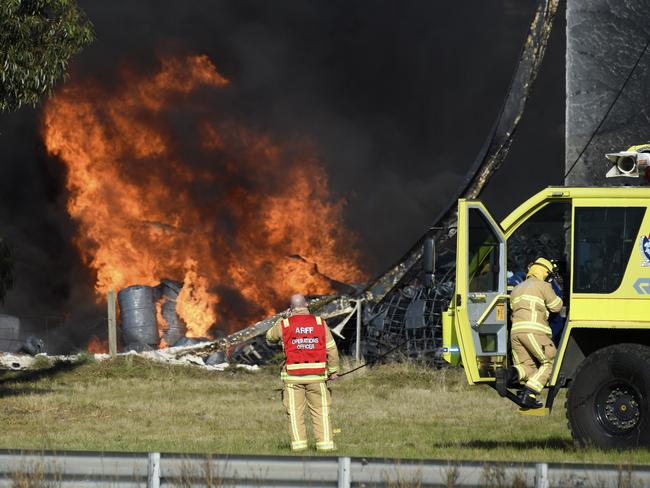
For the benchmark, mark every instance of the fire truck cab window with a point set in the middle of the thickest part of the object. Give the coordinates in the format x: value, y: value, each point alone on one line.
x: 483, y: 254
x: 604, y: 239
x: 544, y: 234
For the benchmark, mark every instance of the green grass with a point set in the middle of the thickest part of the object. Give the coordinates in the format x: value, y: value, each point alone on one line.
x: 395, y: 411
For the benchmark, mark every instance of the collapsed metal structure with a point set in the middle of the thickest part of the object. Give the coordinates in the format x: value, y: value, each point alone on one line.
x: 397, y: 306
x: 424, y: 335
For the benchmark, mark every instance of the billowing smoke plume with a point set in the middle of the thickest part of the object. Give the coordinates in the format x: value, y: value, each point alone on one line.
x: 391, y: 100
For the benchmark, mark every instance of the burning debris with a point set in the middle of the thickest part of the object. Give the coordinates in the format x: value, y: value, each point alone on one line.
x: 399, y: 307
x: 173, y: 326
x: 150, y: 319
x: 237, y: 220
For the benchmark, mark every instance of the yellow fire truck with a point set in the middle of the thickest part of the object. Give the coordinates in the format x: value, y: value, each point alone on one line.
x: 601, y: 240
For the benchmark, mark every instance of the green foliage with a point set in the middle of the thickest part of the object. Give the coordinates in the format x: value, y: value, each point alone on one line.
x: 37, y: 39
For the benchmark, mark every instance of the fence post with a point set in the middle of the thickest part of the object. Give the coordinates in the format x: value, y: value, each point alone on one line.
x: 153, y: 470
x: 541, y: 475
x: 357, y: 352
x: 344, y: 472
x: 112, y: 325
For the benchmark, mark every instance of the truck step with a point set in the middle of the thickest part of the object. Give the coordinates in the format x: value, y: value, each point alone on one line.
x: 535, y: 412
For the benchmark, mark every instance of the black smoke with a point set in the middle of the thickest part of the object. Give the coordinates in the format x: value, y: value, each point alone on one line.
x: 398, y: 97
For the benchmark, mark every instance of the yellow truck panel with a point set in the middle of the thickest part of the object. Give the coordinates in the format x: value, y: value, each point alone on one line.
x: 629, y: 302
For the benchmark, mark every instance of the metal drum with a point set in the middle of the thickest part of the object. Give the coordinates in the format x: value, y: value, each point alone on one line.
x: 138, y: 316
x: 9, y: 333
x: 176, y: 329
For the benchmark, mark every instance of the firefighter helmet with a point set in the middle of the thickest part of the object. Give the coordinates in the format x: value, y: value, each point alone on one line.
x: 542, y: 268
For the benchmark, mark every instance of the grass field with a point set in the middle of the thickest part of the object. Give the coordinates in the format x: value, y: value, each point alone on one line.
x: 396, y: 411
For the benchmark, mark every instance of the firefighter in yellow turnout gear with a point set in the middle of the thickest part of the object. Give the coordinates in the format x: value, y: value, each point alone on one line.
x: 533, y: 350
x: 311, y: 358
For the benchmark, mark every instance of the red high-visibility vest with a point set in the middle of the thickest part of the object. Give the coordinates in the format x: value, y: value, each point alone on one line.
x: 304, y: 344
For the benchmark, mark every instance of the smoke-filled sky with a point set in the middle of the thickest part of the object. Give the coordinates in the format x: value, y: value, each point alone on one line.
x: 397, y: 98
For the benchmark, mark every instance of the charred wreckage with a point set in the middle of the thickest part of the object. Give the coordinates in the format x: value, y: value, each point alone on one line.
x: 400, y: 312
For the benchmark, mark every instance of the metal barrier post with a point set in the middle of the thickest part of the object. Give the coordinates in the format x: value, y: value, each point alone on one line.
x: 153, y: 470
x: 344, y: 472
x: 541, y: 475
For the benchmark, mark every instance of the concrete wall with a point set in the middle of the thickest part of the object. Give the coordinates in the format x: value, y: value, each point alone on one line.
x: 604, y: 39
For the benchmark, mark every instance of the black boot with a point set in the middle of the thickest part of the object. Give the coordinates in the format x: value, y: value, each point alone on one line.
x: 506, y: 378
x: 513, y: 377
x: 528, y: 398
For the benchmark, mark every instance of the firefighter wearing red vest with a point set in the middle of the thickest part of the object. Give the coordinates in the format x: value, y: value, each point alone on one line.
x: 311, y: 358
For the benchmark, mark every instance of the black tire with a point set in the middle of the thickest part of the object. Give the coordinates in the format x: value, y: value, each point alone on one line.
x: 607, y: 403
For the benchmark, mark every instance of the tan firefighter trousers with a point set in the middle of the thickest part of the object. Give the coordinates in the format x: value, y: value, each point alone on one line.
x: 318, y: 399
x: 533, y: 355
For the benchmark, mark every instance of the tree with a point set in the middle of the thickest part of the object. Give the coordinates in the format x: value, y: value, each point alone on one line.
x: 37, y: 40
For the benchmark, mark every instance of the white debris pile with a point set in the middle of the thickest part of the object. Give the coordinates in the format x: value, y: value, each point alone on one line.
x: 169, y: 357
x: 24, y: 362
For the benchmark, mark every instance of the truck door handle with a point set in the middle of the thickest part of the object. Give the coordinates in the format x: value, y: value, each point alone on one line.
x: 489, y: 308
x: 477, y: 297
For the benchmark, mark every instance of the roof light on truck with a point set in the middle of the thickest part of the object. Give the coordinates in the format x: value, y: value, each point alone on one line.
x: 628, y: 163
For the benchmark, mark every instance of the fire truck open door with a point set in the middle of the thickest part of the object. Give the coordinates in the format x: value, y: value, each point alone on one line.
x: 481, y: 301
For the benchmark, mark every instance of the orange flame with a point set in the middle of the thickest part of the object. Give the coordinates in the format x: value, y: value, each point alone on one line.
x: 162, y: 325
x: 247, y: 220
x: 195, y: 304
x: 97, y: 346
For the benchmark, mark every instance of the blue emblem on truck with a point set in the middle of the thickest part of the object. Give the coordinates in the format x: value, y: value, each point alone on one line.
x: 645, y: 250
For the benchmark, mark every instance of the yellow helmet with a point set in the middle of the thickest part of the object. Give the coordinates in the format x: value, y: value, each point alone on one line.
x: 541, y: 268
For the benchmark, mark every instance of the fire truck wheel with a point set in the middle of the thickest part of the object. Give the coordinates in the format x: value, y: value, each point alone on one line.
x: 607, y: 404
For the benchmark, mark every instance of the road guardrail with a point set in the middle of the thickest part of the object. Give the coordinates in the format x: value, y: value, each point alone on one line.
x: 155, y: 470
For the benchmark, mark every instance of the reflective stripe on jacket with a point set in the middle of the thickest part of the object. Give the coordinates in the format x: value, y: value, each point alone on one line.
x: 531, y: 302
